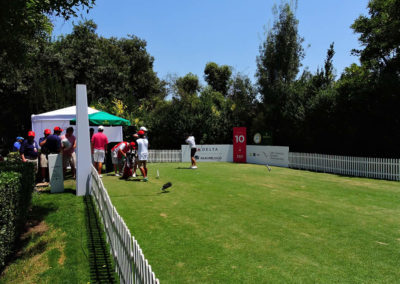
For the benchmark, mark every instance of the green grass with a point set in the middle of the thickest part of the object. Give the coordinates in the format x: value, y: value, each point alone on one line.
x: 239, y: 223
x: 59, y: 244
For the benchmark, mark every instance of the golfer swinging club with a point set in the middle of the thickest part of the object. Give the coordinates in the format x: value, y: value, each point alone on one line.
x: 192, y: 144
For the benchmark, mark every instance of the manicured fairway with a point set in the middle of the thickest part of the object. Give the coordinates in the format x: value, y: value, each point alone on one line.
x: 239, y: 223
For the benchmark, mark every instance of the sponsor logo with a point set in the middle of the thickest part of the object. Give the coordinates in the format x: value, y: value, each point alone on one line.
x: 208, y: 149
x: 254, y: 154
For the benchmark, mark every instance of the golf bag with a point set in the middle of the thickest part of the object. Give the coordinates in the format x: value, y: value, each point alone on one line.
x: 129, y: 163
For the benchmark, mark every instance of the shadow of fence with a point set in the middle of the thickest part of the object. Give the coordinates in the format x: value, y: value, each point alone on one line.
x: 101, y: 268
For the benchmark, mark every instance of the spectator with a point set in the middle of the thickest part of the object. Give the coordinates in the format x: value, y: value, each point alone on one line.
x: 129, y: 161
x: 118, y: 154
x: 135, y: 137
x: 91, y: 132
x: 44, y: 151
x: 142, y: 128
x: 17, y: 144
x: 143, y: 152
x: 68, y: 142
x: 53, y: 142
x: 99, y: 148
x: 29, y: 150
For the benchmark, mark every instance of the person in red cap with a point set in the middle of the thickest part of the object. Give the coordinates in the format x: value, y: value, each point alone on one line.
x: 29, y: 150
x: 143, y: 153
x: 118, y: 154
x: 53, y: 142
x: 44, y: 151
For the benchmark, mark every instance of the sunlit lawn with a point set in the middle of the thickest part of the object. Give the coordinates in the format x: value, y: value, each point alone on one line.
x: 235, y: 223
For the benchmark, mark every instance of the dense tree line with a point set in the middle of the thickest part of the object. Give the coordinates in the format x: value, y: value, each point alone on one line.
x: 358, y: 114
x: 355, y: 114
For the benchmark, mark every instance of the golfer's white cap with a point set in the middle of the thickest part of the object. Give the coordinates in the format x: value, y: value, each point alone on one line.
x: 143, y: 128
x: 101, y: 127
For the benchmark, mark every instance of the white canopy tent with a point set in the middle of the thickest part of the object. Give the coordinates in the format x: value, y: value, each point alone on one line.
x: 62, y: 117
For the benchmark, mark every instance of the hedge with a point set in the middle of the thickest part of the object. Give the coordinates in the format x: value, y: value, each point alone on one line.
x: 17, y: 181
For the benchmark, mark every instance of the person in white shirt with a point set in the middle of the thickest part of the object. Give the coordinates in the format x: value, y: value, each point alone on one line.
x: 135, y: 137
x: 143, y: 153
x: 190, y: 140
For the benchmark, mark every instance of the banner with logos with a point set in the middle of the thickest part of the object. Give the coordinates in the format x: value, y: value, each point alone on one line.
x: 239, y: 144
x: 209, y: 153
x: 271, y: 155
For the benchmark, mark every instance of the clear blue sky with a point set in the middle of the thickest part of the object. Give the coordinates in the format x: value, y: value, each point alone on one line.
x: 184, y: 35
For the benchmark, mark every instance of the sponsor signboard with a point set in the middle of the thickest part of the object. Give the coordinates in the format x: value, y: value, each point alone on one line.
x: 56, y: 173
x: 239, y: 144
x: 209, y: 153
x: 271, y: 155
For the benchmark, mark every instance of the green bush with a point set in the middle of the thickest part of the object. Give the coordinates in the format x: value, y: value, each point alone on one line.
x: 27, y: 184
x: 17, y: 181
x: 10, y: 189
x: 13, y: 157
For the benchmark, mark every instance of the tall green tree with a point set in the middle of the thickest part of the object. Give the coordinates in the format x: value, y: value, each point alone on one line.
x: 22, y: 21
x: 281, y: 53
x: 277, y: 68
x: 242, y: 93
x: 218, y: 77
x: 25, y: 29
x: 186, y: 87
x: 380, y: 35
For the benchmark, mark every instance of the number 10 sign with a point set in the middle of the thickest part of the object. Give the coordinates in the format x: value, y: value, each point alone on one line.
x: 239, y: 144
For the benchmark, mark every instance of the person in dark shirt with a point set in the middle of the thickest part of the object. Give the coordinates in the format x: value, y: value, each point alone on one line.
x: 53, y: 142
x: 29, y: 150
x: 43, y: 154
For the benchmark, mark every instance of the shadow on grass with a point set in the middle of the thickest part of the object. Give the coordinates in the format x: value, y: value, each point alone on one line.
x: 182, y: 168
x: 101, y: 268
x: 131, y: 179
x: 66, y: 190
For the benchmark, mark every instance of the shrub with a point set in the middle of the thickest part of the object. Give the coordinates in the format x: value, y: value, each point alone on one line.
x: 10, y: 189
x: 13, y: 157
x: 17, y: 181
x: 27, y: 170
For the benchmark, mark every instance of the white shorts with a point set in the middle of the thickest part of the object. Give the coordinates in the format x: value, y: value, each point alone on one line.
x: 116, y: 160
x: 43, y: 161
x: 143, y: 156
x: 98, y: 156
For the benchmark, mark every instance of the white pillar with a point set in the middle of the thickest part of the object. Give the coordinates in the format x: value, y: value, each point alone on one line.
x: 84, y: 160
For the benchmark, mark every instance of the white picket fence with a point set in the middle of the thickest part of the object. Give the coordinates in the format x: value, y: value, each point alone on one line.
x: 378, y: 168
x: 164, y: 156
x: 130, y: 263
